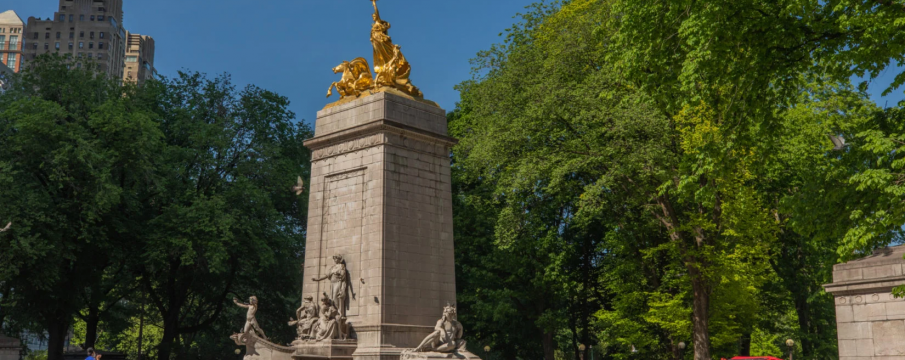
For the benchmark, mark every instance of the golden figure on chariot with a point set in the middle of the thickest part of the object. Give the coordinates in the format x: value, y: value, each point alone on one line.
x: 390, y: 66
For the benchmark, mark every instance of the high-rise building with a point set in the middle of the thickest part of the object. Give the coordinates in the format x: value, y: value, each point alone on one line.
x: 11, y: 33
x: 84, y: 29
x: 139, y: 58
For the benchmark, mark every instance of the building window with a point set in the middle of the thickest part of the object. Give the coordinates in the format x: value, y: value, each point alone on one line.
x: 37, y: 35
x: 13, y: 42
x: 46, y: 36
x: 11, y: 61
x: 101, y: 34
x: 100, y: 56
x: 90, y: 55
x: 58, y: 34
x: 34, y: 46
x: 92, y: 17
x: 57, y: 45
x: 47, y: 46
x: 2, y: 42
x: 131, y: 59
x: 81, y: 34
x: 100, y: 18
x: 78, y: 66
x: 71, y: 35
x: 91, y: 35
x: 91, y: 45
x: 81, y: 17
x: 81, y: 45
x: 62, y: 18
x: 70, y: 46
x: 71, y: 18
x: 81, y: 55
x: 100, y: 45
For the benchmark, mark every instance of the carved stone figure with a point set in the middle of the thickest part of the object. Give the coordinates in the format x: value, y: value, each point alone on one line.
x: 391, y: 67
x: 306, y: 319
x: 356, y: 78
x: 341, y: 285
x: 328, y: 327
x: 447, y: 335
x: 250, y: 323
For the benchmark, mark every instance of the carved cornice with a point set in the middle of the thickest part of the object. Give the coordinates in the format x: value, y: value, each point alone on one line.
x: 381, y: 132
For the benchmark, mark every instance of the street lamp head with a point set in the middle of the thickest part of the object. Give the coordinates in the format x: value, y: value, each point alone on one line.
x: 581, y: 347
x: 681, y: 345
x: 486, y: 348
x: 238, y: 351
x: 790, y: 343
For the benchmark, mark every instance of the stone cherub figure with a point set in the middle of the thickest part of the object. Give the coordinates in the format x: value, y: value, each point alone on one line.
x: 447, y: 335
x: 250, y: 323
x: 306, y: 319
x: 341, y: 285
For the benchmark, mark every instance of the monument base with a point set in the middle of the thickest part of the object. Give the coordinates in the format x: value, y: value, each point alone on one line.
x: 463, y: 354
x: 327, y: 349
x: 260, y: 349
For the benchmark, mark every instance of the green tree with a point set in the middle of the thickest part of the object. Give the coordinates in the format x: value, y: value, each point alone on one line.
x: 684, y: 55
x: 74, y: 162
x: 223, y: 218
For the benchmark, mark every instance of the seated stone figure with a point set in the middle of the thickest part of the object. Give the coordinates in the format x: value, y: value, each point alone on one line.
x: 306, y: 316
x: 447, y: 335
x: 328, y: 326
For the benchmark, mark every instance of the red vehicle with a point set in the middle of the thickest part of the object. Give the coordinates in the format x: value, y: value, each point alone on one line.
x: 754, y: 358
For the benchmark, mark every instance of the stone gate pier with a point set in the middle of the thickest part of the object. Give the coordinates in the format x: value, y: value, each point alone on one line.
x: 869, y: 319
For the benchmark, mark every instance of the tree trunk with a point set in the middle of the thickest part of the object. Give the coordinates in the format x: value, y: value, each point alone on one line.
x: 56, y: 339
x: 744, y: 348
x: 804, y: 321
x: 170, y: 333
x: 701, y: 307
x: 549, y: 348
x: 91, y: 322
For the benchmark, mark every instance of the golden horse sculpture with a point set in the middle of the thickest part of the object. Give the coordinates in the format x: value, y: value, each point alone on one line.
x: 356, y: 78
x: 391, y: 69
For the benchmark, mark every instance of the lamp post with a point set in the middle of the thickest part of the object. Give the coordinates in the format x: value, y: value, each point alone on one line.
x: 581, y: 349
x: 681, y: 349
x: 791, y: 344
x: 487, y: 350
x: 239, y: 352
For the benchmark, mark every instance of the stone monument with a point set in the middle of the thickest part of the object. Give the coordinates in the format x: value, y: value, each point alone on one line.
x: 870, y: 321
x: 379, y: 249
x: 9, y: 348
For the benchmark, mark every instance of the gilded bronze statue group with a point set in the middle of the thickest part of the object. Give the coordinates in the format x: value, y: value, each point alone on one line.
x: 391, y: 69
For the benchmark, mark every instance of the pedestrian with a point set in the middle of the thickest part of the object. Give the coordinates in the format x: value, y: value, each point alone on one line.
x: 93, y: 355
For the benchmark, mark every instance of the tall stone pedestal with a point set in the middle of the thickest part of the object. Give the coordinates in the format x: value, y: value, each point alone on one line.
x: 869, y: 319
x: 381, y: 198
x: 9, y: 348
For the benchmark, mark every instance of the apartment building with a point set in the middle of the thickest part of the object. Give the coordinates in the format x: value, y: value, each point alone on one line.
x: 84, y: 29
x: 139, y: 64
x: 11, y: 32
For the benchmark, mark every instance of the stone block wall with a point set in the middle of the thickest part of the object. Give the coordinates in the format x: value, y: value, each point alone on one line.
x: 870, y: 320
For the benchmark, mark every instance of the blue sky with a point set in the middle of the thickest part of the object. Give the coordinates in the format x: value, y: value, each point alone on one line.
x: 289, y: 46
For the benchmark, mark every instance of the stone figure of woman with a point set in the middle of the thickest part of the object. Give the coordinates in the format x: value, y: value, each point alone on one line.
x: 390, y: 66
x: 341, y: 285
x: 328, y: 324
